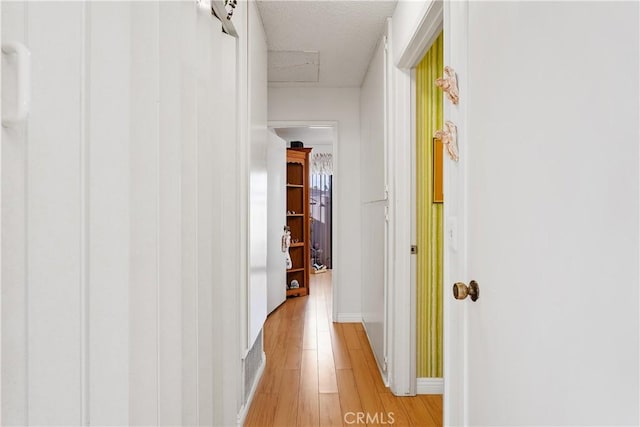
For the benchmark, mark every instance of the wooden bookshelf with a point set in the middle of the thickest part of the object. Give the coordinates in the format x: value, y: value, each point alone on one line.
x: 298, y: 211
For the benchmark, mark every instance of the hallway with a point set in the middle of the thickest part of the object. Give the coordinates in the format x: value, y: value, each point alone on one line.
x: 324, y: 373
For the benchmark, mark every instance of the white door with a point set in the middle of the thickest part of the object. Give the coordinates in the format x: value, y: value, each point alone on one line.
x: 373, y: 180
x: 543, y: 214
x: 276, y: 220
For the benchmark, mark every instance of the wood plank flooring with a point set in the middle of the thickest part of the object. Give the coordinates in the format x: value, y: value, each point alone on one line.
x: 321, y: 373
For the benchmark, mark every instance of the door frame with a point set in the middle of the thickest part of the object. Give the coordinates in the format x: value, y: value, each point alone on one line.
x: 434, y: 17
x: 335, y: 182
x: 455, y: 223
x: 1, y: 211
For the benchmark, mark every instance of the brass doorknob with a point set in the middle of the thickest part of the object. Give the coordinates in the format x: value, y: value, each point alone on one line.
x: 460, y: 290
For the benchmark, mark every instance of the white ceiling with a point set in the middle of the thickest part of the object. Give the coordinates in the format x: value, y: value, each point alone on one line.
x: 308, y: 135
x: 343, y: 33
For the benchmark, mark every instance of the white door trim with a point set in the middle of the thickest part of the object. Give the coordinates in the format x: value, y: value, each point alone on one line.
x: 455, y: 220
x: 425, y: 34
x: 402, y: 328
x: 1, y: 258
x: 402, y: 290
x: 335, y: 285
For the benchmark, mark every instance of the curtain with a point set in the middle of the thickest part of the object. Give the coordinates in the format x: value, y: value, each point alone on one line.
x: 322, y: 164
x: 321, y: 192
x: 429, y: 216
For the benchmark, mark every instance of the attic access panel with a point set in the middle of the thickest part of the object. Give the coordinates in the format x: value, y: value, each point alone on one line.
x: 293, y: 66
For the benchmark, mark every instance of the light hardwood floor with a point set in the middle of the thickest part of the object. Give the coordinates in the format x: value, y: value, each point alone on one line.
x: 321, y: 373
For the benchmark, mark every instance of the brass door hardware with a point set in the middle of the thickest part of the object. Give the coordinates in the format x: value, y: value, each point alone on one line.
x: 460, y: 290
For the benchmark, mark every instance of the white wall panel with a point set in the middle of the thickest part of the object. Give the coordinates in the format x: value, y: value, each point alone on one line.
x: 205, y: 212
x: 14, y: 249
x: 169, y: 183
x: 53, y: 214
x: 121, y: 216
x: 226, y: 316
x: 189, y: 225
x: 144, y: 175
x: 105, y: 227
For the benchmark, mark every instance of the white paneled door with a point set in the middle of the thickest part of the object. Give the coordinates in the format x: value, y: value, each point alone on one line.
x: 543, y: 213
x: 375, y: 204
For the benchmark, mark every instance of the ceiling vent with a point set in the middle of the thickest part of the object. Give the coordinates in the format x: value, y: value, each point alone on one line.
x: 293, y: 66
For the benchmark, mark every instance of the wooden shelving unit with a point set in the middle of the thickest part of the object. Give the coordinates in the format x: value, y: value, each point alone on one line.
x: 298, y: 221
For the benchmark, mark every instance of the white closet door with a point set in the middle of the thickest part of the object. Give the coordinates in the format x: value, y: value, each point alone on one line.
x: 374, y: 205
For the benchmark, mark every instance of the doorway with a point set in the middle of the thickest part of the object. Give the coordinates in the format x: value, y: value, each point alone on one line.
x: 321, y: 138
x: 428, y: 223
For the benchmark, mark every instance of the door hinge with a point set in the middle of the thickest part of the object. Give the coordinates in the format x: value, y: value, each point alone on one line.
x: 414, y: 249
x: 386, y: 213
x: 386, y: 45
x: 384, y: 364
x: 386, y: 192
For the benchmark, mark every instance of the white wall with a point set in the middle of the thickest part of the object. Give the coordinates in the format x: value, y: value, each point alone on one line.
x: 320, y: 148
x: 372, y: 128
x: 373, y: 168
x: 341, y: 105
x: 122, y: 265
x: 257, y: 286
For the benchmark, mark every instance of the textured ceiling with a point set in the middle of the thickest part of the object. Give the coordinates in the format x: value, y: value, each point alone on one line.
x: 308, y: 135
x: 288, y: 66
x: 344, y: 33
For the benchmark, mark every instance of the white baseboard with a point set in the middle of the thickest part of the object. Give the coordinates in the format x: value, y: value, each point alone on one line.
x: 430, y: 386
x: 242, y: 415
x: 349, y: 318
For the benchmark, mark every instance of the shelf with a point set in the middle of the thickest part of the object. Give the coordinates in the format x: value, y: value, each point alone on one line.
x: 297, y: 204
x: 297, y: 291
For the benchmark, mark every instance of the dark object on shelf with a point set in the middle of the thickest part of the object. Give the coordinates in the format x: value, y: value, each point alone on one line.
x: 297, y: 144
